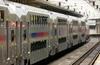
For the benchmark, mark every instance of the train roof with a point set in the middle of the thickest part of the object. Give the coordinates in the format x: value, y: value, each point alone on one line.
x: 59, y: 15
x: 22, y: 9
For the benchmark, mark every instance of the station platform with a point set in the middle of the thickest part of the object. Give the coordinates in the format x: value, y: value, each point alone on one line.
x: 97, y: 62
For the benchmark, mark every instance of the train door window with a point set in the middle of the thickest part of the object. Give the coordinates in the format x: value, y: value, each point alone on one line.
x: 1, y: 15
x: 12, y: 35
x: 24, y: 34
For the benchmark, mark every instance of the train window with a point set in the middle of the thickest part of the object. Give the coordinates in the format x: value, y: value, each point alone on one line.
x: 41, y: 20
x: 75, y: 36
x: 75, y: 23
x: 62, y: 21
x: 24, y: 35
x: 62, y: 40
x: 83, y: 23
x: 83, y: 35
x: 92, y: 27
x: 1, y: 15
x: 33, y: 20
x: 12, y: 35
x: 38, y: 45
x: 45, y: 20
x: 38, y: 19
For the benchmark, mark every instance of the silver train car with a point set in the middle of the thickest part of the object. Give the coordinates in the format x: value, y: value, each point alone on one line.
x: 29, y: 34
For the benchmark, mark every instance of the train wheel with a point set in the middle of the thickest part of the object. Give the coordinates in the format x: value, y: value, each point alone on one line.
x: 53, y: 51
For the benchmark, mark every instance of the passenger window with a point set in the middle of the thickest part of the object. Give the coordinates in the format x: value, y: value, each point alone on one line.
x: 38, y: 45
x: 35, y: 19
x: 75, y: 36
x: 38, y: 20
x: 83, y: 35
x: 62, y: 21
x: 12, y: 35
x: 62, y: 40
x: 41, y: 20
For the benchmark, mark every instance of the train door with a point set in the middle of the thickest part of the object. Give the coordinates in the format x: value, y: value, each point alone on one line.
x: 54, y: 40
x: 8, y: 52
x: 62, y: 33
x: 24, y: 41
x: 15, y: 47
x: 70, y: 34
x: 7, y: 40
x: 14, y: 39
x: 3, y: 43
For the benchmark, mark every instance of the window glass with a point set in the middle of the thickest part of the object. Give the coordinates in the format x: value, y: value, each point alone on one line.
x: 75, y: 36
x: 83, y: 23
x: 1, y: 15
x: 38, y: 45
x: 12, y: 35
x: 62, y: 21
x: 75, y: 23
x: 24, y: 34
x: 35, y: 19
x: 62, y: 40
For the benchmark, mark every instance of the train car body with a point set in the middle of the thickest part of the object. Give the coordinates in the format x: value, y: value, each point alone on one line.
x: 8, y: 37
x: 29, y: 34
x: 74, y: 30
x: 61, y: 30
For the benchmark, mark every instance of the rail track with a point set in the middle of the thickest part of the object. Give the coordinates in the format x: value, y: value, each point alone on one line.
x: 90, y: 56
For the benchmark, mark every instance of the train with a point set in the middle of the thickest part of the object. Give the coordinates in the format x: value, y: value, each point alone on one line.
x: 29, y: 34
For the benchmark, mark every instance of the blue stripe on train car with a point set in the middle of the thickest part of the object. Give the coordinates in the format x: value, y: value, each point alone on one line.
x: 34, y: 34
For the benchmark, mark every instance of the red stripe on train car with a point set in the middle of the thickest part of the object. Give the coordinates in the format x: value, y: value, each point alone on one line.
x: 2, y: 39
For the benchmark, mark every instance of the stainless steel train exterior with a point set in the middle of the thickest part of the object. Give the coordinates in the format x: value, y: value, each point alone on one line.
x: 29, y: 34
x: 75, y: 30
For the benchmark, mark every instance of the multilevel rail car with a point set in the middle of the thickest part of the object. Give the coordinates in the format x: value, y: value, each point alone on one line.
x: 29, y: 34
